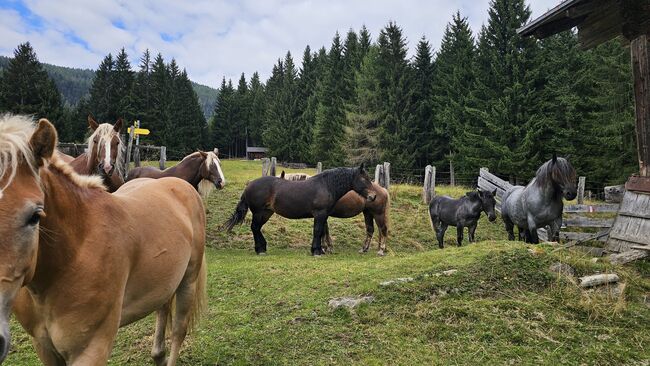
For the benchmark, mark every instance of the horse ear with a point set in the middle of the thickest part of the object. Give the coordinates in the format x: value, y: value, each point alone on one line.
x: 43, y: 141
x: 92, y: 123
x: 554, y: 158
x: 494, y: 193
x: 204, y: 155
x: 216, y: 151
x: 118, y: 125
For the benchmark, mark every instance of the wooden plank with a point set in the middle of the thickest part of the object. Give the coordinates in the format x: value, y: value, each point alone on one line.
x: 429, y: 188
x: 274, y: 162
x: 386, y: 175
x: 641, y: 72
x: 163, y: 157
x: 627, y: 256
x: 319, y: 167
x: 580, y: 221
x: 452, y: 177
x: 634, y: 214
x: 591, y: 208
x: 640, y: 247
x: 266, y: 164
x: 581, y: 190
x: 129, y: 148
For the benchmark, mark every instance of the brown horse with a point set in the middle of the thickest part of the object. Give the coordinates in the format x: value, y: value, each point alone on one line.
x: 77, y: 263
x: 200, y: 169
x: 104, y: 155
x: 353, y: 204
x: 314, y: 197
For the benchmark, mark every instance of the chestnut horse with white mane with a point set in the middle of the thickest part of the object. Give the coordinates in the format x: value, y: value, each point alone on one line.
x: 104, y: 155
x: 73, y: 282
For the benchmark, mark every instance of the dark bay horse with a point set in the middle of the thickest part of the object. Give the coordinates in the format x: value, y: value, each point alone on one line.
x: 463, y: 212
x: 70, y: 268
x: 104, y: 155
x: 314, y: 197
x: 353, y: 204
x: 539, y: 203
x: 200, y: 169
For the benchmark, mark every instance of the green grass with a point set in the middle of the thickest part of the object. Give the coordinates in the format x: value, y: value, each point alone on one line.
x: 501, y: 307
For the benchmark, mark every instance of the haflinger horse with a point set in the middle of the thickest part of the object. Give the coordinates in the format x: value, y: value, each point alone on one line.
x: 200, y: 169
x: 539, y: 203
x: 104, y: 155
x: 314, y: 197
x: 463, y: 212
x: 353, y: 204
x: 77, y: 263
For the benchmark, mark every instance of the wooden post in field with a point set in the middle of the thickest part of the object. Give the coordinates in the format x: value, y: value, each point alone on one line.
x: 452, y: 178
x: 319, y: 167
x: 641, y: 71
x: 273, y: 162
x: 128, y: 150
x: 429, y: 189
x: 379, y: 174
x: 386, y: 175
x: 163, y: 157
x: 581, y: 190
x: 266, y: 164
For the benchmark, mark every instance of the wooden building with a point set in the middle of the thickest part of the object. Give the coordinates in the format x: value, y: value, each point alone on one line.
x: 599, y: 21
x: 253, y: 152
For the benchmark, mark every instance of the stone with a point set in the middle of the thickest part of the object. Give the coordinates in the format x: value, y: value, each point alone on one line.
x: 397, y: 280
x: 598, y: 280
x: 349, y: 302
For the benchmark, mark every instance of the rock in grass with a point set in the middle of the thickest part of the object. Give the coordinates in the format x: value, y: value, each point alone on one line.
x: 562, y: 269
x: 397, y: 280
x: 349, y: 302
x: 598, y: 280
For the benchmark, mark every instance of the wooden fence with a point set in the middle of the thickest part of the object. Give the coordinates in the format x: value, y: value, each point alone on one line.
x: 574, y: 215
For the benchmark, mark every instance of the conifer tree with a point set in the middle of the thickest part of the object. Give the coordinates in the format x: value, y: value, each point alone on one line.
x: 223, y: 118
x: 420, y: 124
x: 257, y: 106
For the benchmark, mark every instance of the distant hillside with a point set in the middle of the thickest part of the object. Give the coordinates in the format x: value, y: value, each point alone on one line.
x: 75, y: 84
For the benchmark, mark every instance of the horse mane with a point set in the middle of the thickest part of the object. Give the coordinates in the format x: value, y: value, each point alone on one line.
x: 15, y: 132
x: 338, y: 179
x: 546, y: 172
x: 105, y: 132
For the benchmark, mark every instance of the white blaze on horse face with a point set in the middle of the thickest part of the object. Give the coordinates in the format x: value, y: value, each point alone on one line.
x: 223, y: 178
x: 107, y: 157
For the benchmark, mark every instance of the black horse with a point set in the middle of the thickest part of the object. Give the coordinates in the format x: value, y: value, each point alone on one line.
x: 462, y: 212
x: 314, y: 197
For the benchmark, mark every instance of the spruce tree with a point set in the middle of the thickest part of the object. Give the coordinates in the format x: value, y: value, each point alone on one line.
x: 420, y: 124
x: 257, y: 105
x: 222, y: 120
x: 330, y: 113
x: 26, y: 88
x: 103, y: 96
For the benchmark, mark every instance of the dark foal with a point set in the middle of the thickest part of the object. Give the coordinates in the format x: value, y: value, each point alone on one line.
x: 463, y: 212
x: 314, y: 197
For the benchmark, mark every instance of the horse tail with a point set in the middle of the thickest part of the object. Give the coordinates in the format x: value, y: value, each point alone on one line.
x: 200, y: 295
x: 433, y: 206
x: 237, y: 216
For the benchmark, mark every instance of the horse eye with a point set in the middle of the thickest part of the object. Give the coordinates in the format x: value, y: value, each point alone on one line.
x: 35, y: 218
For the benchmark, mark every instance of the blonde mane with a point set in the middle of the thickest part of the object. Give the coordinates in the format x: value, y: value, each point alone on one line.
x: 15, y: 132
x: 105, y: 133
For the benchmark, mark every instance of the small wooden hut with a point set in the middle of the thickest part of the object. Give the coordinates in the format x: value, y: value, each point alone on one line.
x: 599, y: 21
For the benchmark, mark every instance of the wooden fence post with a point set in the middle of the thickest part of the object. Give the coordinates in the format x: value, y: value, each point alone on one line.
x: 163, y: 157
x: 378, y: 174
x: 319, y: 167
x: 452, y: 178
x: 581, y: 190
x: 273, y: 162
x: 128, y: 150
x: 386, y: 175
x: 266, y: 163
x: 429, y: 188
x: 136, y: 155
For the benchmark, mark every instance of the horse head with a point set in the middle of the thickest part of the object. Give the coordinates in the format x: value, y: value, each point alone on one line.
x: 362, y: 184
x: 563, y: 176
x: 23, y: 151
x: 105, y: 147
x: 488, y: 203
x: 211, y: 168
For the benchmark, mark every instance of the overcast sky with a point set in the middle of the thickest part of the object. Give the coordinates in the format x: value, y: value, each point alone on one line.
x: 217, y: 38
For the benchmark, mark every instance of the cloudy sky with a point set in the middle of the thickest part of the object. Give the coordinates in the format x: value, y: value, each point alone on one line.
x: 216, y: 38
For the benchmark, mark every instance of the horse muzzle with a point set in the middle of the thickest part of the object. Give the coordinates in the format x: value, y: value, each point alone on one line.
x: 571, y: 195
x: 5, y: 340
x: 219, y: 185
x: 371, y: 196
x: 492, y: 218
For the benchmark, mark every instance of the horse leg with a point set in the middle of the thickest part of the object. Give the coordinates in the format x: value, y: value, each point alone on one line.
x: 370, y: 230
x: 440, y: 234
x: 319, y: 226
x: 471, y: 230
x: 554, y: 235
x: 328, y: 247
x: 259, y: 219
x: 382, y: 224
x: 459, y: 234
x: 510, y: 228
x: 47, y: 356
x: 532, y: 230
x: 185, y: 298
x: 158, y: 349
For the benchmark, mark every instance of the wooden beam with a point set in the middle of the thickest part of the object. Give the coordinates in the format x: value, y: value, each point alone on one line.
x: 641, y: 71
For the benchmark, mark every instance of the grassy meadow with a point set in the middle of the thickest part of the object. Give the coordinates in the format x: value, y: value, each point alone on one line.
x: 501, y: 306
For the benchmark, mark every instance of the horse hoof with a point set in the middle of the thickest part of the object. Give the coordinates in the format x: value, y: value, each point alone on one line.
x: 380, y: 253
x: 361, y: 251
x: 261, y: 253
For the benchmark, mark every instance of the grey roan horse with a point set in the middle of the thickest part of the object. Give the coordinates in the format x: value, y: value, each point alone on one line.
x: 461, y: 213
x: 540, y: 202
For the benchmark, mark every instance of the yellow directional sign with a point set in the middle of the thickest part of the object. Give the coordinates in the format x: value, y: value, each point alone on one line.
x: 140, y: 131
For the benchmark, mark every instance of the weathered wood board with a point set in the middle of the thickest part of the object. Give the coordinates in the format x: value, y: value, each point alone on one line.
x: 632, y: 226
